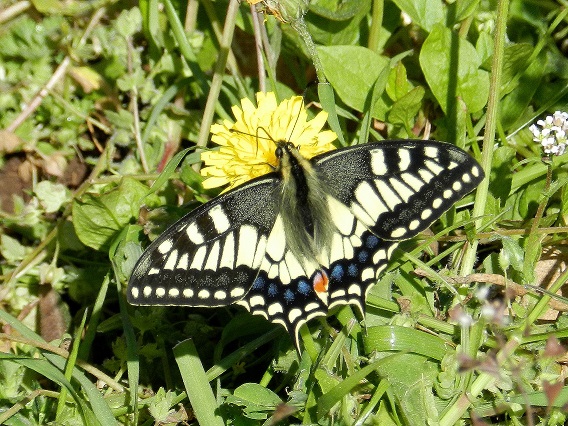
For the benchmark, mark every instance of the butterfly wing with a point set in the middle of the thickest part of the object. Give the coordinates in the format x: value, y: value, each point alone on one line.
x: 381, y: 193
x: 211, y: 256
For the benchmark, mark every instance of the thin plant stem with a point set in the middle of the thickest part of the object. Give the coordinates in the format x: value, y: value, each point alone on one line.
x: 489, y: 135
x: 217, y: 80
x: 258, y: 47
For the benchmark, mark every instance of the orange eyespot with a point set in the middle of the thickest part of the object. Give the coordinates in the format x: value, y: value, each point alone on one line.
x: 321, y: 282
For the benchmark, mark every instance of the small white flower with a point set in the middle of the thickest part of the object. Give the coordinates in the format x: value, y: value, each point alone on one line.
x: 551, y: 133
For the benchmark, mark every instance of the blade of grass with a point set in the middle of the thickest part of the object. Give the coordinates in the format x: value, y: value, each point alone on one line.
x: 70, y: 366
x: 196, y: 384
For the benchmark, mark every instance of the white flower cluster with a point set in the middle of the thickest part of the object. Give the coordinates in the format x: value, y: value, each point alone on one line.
x: 551, y: 133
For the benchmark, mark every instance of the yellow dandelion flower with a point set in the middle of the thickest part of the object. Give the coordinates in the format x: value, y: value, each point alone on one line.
x: 247, y: 147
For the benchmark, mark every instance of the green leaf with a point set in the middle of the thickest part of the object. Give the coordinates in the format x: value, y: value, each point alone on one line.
x: 11, y: 249
x: 338, y: 10
x: 513, y: 106
x: 411, y: 378
x: 51, y: 195
x: 98, y: 218
x: 160, y: 406
x: 129, y: 22
x: 502, y: 173
x: 257, y: 401
x: 404, y: 111
x: 353, y: 83
x: 446, y: 57
x: 425, y: 13
x: 513, y: 252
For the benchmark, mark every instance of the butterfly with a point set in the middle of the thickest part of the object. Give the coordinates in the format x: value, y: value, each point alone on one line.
x: 311, y: 235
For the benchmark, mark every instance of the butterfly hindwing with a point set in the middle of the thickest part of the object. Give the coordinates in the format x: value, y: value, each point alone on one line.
x: 211, y: 256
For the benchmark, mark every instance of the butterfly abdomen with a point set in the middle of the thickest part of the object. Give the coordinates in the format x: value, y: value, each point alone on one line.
x: 303, y: 207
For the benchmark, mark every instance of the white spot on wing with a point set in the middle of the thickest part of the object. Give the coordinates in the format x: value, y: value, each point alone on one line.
x: 248, y: 240
x: 173, y: 292
x: 219, y: 218
x: 183, y: 262
x: 274, y: 309
x: 398, y: 232
x: 367, y: 274
x: 198, y: 258
x: 204, y: 294
x: 194, y: 235
x: 187, y: 292
x: 276, y: 244
x: 213, y: 258
x: 311, y: 306
x: 294, y: 314
x: 378, y: 165
x: 431, y: 152
x: 434, y: 167
x: 237, y: 292
x: 361, y: 214
x: 426, y: 213
x: 165, y: 246
x: 228, y: 256
x: 412, y: 181
x: 370, y: 201
x: 414, y: 225
x: 256, y: 301
x: 378, y: 256
x: 404, y: 155
x: 401, y: 189
x: 260, y: 252
x: 354, y: 289
x: 337, y: 293
x: 341, y: 216
x: 437, y: 203
x: 284, y: 273
x: 220, y: 295
x: 172, y: 260
x: 425, y: 175
x: 388, y: 194
x: 135, y: 292
x: 457, y: 186
x: 160, y: 292
x: 147, y: 291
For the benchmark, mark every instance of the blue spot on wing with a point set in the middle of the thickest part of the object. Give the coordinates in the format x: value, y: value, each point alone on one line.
x: 259, y: 283
x: 289, y: 296
x: 372, y: 241
x: 304, y: 287
x: 352, y: 270
x: 272, y: 290
x: 363, y: 256
x: 337, y: 273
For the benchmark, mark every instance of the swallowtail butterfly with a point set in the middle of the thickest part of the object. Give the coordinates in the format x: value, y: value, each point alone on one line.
x: 313, y: 234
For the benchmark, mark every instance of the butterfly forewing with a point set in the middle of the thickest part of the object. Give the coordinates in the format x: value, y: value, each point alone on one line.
x: 211, y: 256
x: 398, y: 188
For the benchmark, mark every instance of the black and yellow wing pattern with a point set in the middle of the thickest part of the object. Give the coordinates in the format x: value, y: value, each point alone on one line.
x: 312, y: 235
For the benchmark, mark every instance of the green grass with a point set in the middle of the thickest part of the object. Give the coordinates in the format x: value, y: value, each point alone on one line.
x: 102, y: 106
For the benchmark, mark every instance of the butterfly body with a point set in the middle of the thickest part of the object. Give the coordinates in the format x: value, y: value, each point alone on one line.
x: 314, y: 234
